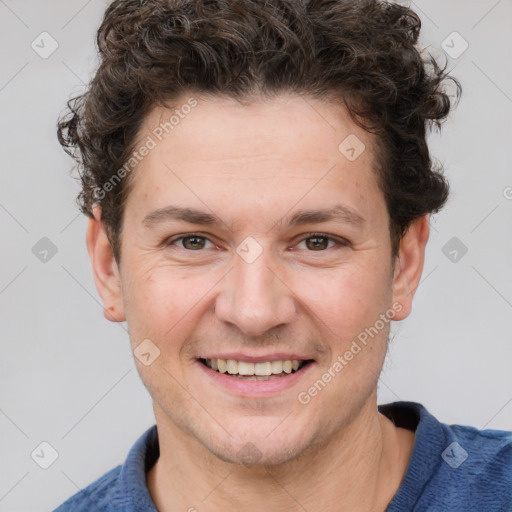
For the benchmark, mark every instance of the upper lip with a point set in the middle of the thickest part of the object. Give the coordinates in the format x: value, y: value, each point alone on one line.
x: 239, y: 356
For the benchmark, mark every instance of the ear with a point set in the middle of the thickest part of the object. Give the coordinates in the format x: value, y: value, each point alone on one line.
x: 105, y: 269
x: 409, y: 265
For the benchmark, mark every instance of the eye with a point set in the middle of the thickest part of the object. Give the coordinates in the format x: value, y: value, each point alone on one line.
x: 189, y: 242
x: 314, y: 242
x: 318, y: 242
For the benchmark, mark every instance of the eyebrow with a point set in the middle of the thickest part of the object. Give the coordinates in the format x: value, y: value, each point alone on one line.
x: 338, y: 213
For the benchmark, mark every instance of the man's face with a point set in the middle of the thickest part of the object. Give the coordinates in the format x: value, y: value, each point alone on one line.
x: 255, y: 287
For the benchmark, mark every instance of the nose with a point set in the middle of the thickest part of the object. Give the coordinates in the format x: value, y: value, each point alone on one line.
x: 255, y: 298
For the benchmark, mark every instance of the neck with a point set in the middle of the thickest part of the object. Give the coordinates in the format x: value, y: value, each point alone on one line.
x: 360, y: 468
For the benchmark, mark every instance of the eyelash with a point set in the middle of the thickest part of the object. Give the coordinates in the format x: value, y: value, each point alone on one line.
x: 339, y: 241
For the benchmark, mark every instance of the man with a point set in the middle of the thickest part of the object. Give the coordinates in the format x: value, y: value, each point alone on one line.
x: 258, y: 186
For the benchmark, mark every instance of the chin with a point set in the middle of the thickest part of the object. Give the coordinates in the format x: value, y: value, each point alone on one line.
x: 255, y: 456
x: 260, y: 446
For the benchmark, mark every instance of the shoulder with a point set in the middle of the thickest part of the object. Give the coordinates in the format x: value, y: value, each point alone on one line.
x: 124, y: 487
x: 474, y: 470
x: 452, y: 467
x: 99, y: 495
x: 483, y: 456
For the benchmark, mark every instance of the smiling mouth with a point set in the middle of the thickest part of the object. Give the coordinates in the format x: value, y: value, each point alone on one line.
x: 255, y: 371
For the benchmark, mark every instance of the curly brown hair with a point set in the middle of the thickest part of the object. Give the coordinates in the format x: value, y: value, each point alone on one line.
x: 361, y: 52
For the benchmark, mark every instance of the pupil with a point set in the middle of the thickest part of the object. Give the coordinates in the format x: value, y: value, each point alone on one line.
x: 316, y: 244
x: 198, y: 244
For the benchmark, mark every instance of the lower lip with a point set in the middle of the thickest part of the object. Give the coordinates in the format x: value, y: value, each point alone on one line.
x: 256, y: 388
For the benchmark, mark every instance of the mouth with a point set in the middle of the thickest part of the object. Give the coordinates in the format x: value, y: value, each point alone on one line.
x: 261, y: 371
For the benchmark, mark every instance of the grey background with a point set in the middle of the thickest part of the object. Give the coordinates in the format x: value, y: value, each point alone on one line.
x: 67, y: 375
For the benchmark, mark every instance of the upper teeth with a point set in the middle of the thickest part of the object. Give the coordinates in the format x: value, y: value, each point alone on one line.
x: 244, y: 368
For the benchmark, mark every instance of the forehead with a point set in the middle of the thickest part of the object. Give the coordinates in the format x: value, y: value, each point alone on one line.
x: 289, y: 144
x: 287, y: 124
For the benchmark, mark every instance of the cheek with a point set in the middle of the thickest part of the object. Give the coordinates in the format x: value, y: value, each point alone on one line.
x: 346, y: 299
x: 162, y: 303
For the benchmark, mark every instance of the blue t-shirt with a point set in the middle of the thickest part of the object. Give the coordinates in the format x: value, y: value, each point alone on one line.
x: 453, y: 468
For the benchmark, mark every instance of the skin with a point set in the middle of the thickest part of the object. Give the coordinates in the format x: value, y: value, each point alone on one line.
x: 254, y: 165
